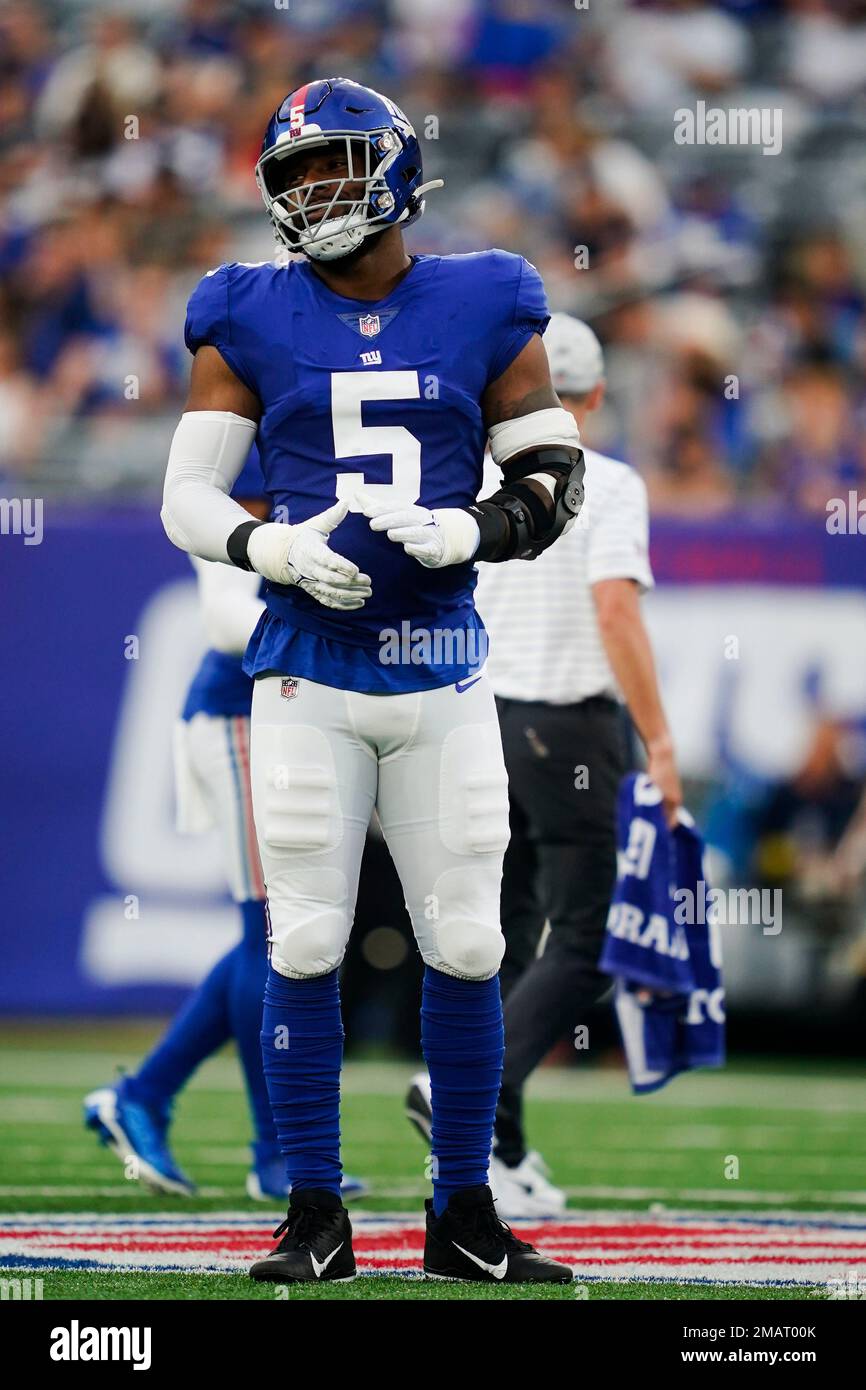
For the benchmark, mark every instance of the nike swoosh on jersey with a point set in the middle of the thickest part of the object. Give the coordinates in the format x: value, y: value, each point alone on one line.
x: 460, y: 686
x: 498, y: 1271
x: 319, y: 1269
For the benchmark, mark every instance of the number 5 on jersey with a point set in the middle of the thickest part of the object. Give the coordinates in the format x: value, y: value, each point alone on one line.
x: 353, y: 439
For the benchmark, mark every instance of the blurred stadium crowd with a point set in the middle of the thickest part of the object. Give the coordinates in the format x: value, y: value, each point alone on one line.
x: 726, y: 284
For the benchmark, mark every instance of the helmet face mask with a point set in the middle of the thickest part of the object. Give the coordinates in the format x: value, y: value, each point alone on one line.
x: 328, y: 217
x: 374, y: 178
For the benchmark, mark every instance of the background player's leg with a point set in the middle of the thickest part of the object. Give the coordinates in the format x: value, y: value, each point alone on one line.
x: 226, y: 772
x: 521, y: 909
x: 574, y: 833
x: 218, y: 750
x: 246, y: 995
x: 200, y: 1028
x: 555, y: 991
x: 314, y: 786
x: 135, y: 1115
x: 444, y: 812
x: 522, y: 924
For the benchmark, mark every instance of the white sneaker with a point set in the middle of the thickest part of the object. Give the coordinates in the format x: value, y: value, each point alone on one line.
x: 534, y: 1159
x: 521, y: 1191
x: 524, y: 1190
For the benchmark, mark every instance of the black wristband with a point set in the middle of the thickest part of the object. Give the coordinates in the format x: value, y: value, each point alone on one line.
x: 496, y: 531
x: 236, y: 545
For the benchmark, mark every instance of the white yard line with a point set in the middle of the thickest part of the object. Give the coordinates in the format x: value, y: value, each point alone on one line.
x: 724, y: 1195
x: 119, y: 1189
x: 762, y: 1091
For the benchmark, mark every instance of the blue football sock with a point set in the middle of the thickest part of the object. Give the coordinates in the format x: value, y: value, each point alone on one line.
x: 245, y: 1002
x: 302, y: 1047
x: 227, y: 1004
x: 464, y: 1043
x: 200, y: 1028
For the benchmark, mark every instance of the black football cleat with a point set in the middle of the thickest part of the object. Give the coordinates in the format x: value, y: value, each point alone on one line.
x: 468, y: 1241
x: 316, y: 1243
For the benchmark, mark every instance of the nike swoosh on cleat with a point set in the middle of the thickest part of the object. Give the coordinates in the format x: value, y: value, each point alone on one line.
x: 498, y: 1271
x: 461, y: 686
x: 319, y: 1269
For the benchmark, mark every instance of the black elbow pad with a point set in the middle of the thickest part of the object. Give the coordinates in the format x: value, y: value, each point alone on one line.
x: 520, y: 521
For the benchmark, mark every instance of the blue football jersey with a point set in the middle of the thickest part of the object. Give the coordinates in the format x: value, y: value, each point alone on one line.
x: 249, y: 483
x: 383, y: 395
x: 220, y: 686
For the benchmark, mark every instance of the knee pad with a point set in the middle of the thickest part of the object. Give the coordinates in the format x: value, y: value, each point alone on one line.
x: 462, y: 936
x: 469, y: 950
x: 309, y: 919
x: 473, y: 791
x: 294, y: 790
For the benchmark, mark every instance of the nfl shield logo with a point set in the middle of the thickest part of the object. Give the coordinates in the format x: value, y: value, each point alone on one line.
x: 369, y: 325
x: 289, y: 687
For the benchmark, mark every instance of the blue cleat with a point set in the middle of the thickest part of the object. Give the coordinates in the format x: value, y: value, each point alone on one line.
x: 267, y: 1182
x: 138, y: 1135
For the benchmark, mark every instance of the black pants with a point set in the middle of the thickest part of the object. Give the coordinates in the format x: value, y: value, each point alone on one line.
x: 564, y: 767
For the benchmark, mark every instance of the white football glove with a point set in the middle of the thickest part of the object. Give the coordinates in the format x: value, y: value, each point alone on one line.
x: 301, y: 555
x: 447, y: 536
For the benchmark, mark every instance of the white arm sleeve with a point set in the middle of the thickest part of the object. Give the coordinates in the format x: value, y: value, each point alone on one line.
x: 230, y: 604
x: 554, y: 425
x: 207, y: 453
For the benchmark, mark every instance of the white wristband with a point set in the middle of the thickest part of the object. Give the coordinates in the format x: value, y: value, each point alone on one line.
x: 460, y: 532
x: 268, y: 551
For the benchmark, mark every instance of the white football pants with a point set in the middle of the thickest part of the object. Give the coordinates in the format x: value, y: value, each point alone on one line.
x: 431, y: 764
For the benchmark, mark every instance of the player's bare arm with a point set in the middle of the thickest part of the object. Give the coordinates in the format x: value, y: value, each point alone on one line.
x: 523, y: 387
x: 629, y: 652
x: 214, y: 386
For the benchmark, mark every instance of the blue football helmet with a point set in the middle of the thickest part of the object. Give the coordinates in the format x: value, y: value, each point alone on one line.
x: 380, y: 187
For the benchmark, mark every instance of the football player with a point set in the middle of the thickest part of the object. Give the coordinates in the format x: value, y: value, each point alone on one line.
x: 372, y: 379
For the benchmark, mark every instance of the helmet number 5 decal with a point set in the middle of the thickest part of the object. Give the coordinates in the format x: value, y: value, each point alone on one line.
x: 353, y: 439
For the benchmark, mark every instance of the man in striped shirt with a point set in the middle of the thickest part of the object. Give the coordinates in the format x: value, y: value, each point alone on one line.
x: 567, y: 645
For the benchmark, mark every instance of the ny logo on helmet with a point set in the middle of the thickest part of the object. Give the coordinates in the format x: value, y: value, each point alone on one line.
x: 400, y: 121
x: 369, y: 325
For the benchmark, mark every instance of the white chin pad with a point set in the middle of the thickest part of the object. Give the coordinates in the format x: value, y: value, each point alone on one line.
x: 542, y: 427
x: 334, y: 239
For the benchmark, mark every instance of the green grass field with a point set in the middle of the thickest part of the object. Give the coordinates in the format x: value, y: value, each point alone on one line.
x: 797, y: 1131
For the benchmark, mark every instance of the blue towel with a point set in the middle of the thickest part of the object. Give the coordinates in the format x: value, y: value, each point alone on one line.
x: 665, y: 958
